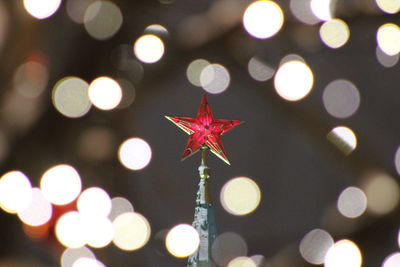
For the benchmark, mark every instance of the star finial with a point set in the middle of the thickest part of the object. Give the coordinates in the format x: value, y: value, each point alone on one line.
x: 204, y: 130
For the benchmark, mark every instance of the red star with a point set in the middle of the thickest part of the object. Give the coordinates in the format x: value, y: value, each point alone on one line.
x: 204, y: 130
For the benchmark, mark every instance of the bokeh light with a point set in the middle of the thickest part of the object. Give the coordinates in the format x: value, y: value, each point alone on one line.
x: 42, y: 9
x: 99, y: 231
x: 194, y: 70
x: 31, y: 78
x: 120, y: 205
x: 240, y: 196
x: 70, y: 230
x: 397, y: 160
x: 87, y: 262
x: 61, y: 184
x: 94, y: 202
x: 39, y: 210
x: 263, y: 19
x: 393, y: 260
x: 70, y: 97
x: 105, y: 93
x: 352, y: 202
x: 149, y: 48
x: 388, y: 38
x: 228, y: 246
x: 259, y: 70
x: 214, y: 78
x: 334, y: 33
x: 343, y: 253
x: 71, y: 255
x: 382, y: 193
x: 182, y: 240
x: 344, y: 138
x: 242, y: 262
x: 293, y: 80
x: 386, y: 60
x: 15, y: 192
x: 301, y: 9
x: 389, y: 6
x: 102, y: 19
x: 156, y: 29
x: 341, y: 98
x: 76, y: 9
x: 314, y: 246
x: 322, y: 9
x: 134, y: 153
x: 96, y: 144
x: 131, y: 231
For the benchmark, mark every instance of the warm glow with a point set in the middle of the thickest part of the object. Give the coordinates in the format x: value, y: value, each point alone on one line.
x: 105, y: 93
x: 294, y: 80
x: 344, y: 138
x: 134, y: 153
x: 242, y: 262
x: 39, y: 210
x: 70, y: 97
x: 94, y: 202
x: 99, y: 231
x: 240, y: 196
x: 389, y: 6
x: 352, y: 202
x: 31, y: 78
x: 131, y: 231
x: 120, y: 205
x: 334, y: 33
x: 194, y: 71
x: 393, y: 260
x: 15, y: 192
x: 70, y: 230
x: 322, y: 9
x: 71, y: 255
x: 215, y: 78
x: 343, y: 253
x: 42, y: 9
x: 263, y: 19
x: 388, y: 38
x: 182, y: 240
x: 149, y: 48
x: 314, y: 246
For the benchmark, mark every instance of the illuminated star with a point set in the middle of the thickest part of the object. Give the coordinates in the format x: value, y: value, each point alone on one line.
x: 204, y: 130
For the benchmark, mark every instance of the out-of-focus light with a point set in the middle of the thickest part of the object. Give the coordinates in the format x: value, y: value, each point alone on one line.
x: 105, y: 93
x: 393, y: 260
x: 120, y: 205
x: 259, y: 71
x: 352, y: 202
x: 99, y: 231
x: 30, y: 79
x: 242, y: 262
x: 389, y: 6
x: 386, y: 60
x: 291, y: 57
x: 128, y: 93
x: 314, y: 246
x: 228, y: 246
x: 263, y: 19
x: 42, y: 9
x: 240, y: 196
x: 149, y: 48
x: 70, y: 230
x: 301, y: 9
x: 15, y: 192
x: 344, y: 139
x: 87, y: 262
x: 388, y: 38
x: 343, y: 253
x: 76, y: 9
x: 382, y: 193
x: 322, y: 9
x: 334, y: 33
x: 156, y: 29
x: 182, y: 240
x: 39, y: 210
x: 61, y: 184
x: 194, y: 70
x: 215, y: 78
x: 71, y: 255
x: 70, y: 97
x: 131, y: 231
x: 102, y: 19
x: 341, y: 98
x: 397, y: 160
x: 134, y: 153
x: 259, y: 260
x: 294, y: 80
x: 96, y: 143
x: 94, y: 202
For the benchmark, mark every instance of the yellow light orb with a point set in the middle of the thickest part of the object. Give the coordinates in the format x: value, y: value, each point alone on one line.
x: 343, y: 253
x: 263, y: 19
x: 70, y: 230
x: 334, y: 33
x: 42, y: 9
x: 61, y: 184
x: 94, y: 202
x: 182, y: 240
x: 39, y: 210
x: 344, y: 138
x: 15, y: 192
x: 294, y: 80
x: 131, y: 231
x: 134, y: 153
x: 99, y: 231
x: 105, y: 93
x: 149, y: 48
x: 240, y: 196
x: 388, y: 38
x: 389, y: 6
x: 242, y: 262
